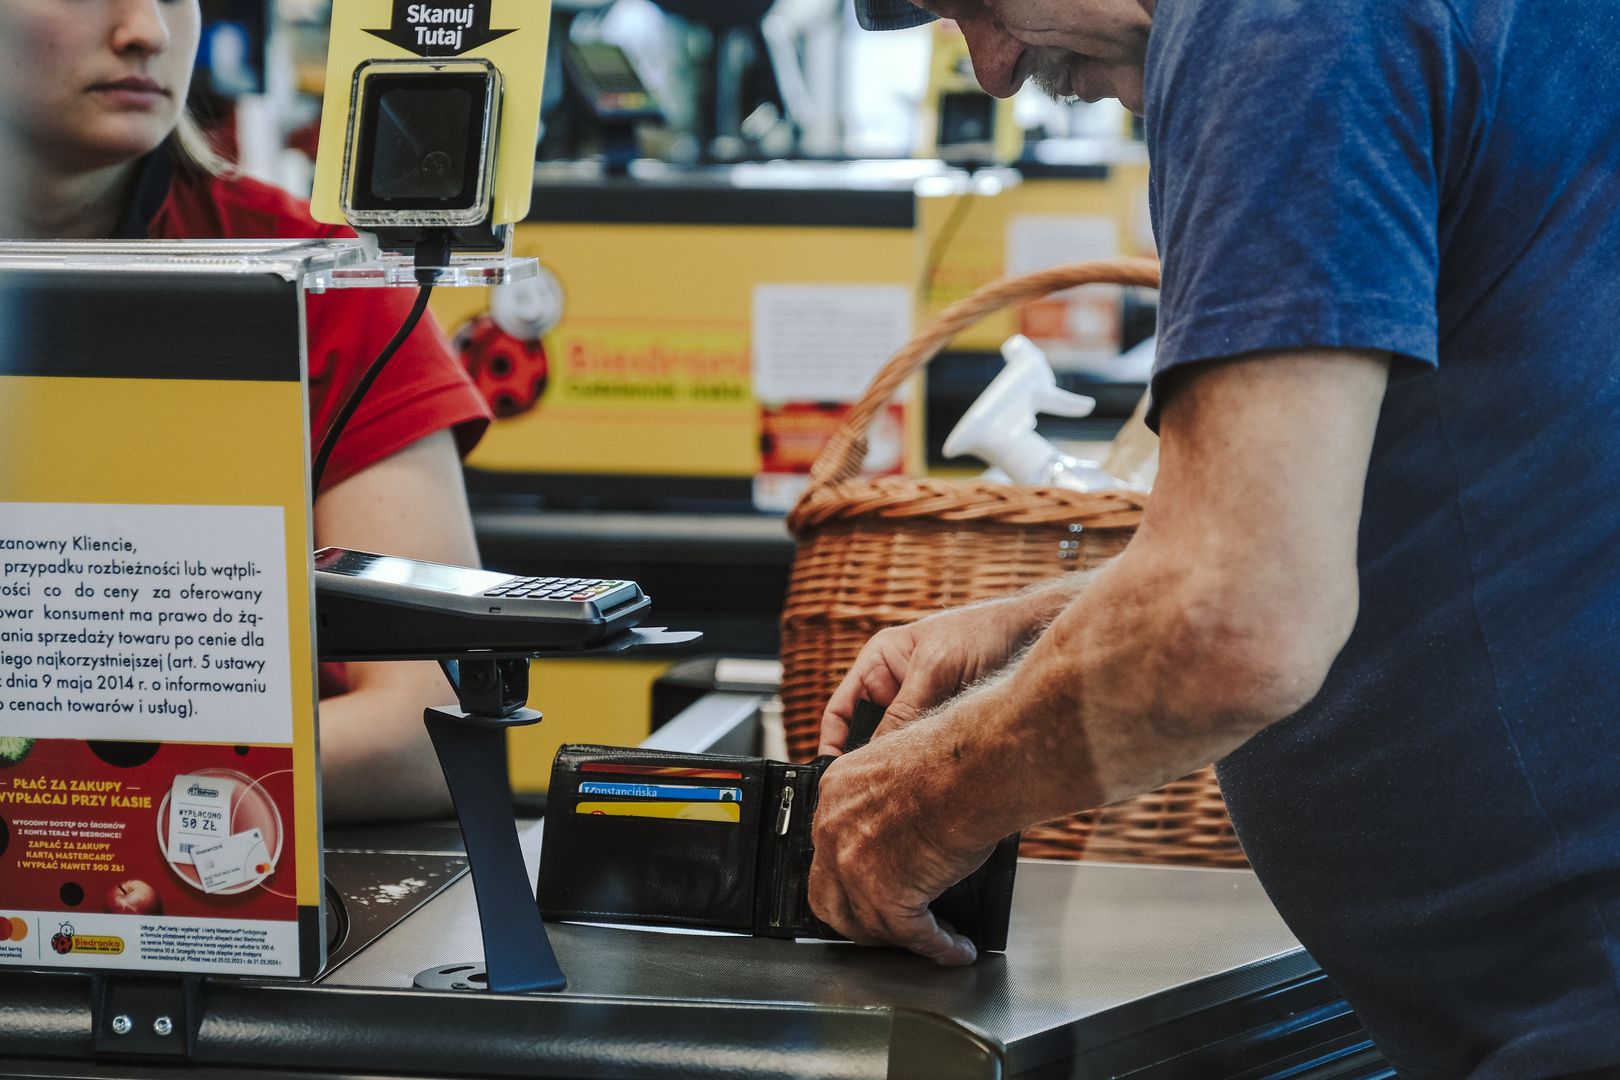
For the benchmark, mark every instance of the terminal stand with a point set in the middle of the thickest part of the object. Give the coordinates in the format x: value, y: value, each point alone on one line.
x: 471, y: 744
x: 470, y: 740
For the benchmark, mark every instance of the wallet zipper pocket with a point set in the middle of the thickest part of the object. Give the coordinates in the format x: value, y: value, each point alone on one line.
x: 779, y: 872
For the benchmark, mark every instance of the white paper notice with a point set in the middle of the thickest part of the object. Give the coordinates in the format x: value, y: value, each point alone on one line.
x: 825, y: 342
x: 162, y: 623
x: 199, y: 814
x: 1039, y: 241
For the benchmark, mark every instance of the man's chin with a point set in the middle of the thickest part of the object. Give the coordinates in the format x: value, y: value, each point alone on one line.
x: 1128, y: 88
x: 1073, y: 87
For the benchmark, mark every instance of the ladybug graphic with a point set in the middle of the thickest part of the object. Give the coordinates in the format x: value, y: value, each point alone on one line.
x: 511, y: 374
x: 503, y: 351
x: 62, y: 940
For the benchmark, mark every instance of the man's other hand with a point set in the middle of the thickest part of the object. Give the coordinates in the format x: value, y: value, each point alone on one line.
x: 912, y: 668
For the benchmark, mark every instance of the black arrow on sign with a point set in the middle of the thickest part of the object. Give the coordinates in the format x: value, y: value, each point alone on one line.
x: 446, y: 28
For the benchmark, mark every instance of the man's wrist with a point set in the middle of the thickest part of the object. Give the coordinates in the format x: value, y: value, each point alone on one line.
x: 968, y: 783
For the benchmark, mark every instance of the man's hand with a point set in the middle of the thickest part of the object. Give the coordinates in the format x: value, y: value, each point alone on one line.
x: 912, y: 668
x: 886, y: 847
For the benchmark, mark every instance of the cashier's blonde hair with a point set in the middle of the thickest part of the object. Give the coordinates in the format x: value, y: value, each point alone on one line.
x: 193, y: 151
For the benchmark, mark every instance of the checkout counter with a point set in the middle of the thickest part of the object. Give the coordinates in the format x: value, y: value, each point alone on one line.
x: 1127, y: 971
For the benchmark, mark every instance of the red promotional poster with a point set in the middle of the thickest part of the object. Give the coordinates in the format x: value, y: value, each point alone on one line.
x: 100, y: 838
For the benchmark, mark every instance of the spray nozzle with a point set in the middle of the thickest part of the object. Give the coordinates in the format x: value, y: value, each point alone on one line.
x: 1000, y: 426
x: 1035, y: 373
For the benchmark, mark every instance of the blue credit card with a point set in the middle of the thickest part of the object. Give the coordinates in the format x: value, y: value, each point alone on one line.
x: 662, y: 791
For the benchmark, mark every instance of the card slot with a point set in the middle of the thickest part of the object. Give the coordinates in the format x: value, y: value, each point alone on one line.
x: 747, y: 805
x: 661, y: 810
x: 594, y: 797
x: 729, y: 793
x: 673, y: 820
x: 573, y: 755
x: 633, y: 771
x: 568, y: 781
x: 667, y: 871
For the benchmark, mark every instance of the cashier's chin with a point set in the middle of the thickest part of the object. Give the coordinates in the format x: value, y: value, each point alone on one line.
x: 117, y: 138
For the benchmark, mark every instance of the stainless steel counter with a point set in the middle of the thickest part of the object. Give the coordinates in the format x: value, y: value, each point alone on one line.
x: 1086, y: 939
x: 1134, y: 971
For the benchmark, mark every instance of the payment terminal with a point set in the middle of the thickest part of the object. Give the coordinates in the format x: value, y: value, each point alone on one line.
x: 608, y: 83
x: 384, y: 606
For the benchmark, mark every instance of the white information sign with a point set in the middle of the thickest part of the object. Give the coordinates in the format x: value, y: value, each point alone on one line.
x: 1039, y: 241
x: 167, y: 620
x: 825, y: 342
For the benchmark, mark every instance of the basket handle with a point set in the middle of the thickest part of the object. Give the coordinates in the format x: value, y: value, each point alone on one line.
x: 841, y: 458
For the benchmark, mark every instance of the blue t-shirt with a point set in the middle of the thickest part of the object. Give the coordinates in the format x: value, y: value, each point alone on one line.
x: 1439, y: 179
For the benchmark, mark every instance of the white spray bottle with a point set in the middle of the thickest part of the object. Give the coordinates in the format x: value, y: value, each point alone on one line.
x: 1000, y: 426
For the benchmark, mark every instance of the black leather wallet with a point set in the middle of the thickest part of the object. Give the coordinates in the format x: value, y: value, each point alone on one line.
x: 616, y: 849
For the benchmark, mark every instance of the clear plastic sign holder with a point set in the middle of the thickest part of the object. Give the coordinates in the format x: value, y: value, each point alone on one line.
x: 491, y: 690
x: 349, y: 263
x: 102, y: 310
x: 470, y: 740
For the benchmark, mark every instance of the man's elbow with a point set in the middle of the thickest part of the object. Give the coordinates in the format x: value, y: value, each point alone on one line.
x: 1241, y: 661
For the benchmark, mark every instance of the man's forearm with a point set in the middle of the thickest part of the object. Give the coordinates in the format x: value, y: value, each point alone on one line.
x: 1027, y: 613
x: 1140, y: 679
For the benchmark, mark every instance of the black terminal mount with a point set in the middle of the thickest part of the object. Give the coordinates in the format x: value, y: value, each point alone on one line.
x: 470, y: 741
x: 492, y: 691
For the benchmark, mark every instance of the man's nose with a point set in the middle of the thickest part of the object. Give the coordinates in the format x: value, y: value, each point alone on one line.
x: 139, y: 26
x: 995, y: 55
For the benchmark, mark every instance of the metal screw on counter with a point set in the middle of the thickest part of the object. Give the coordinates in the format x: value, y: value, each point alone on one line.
x: 163, y: 1026
x: 122, y: 1025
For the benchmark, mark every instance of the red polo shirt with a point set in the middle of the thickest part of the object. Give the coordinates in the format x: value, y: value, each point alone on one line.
x: 423, y: 389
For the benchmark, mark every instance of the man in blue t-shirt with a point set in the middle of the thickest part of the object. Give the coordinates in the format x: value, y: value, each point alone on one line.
x: 1379, y: 580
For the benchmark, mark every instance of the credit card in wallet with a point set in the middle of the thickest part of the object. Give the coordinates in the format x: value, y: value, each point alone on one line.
x: 689, y: 793
x: 687, y: 772
x: 683, y: 811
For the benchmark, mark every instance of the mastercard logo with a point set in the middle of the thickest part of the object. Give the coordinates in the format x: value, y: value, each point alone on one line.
x: 12, y: 928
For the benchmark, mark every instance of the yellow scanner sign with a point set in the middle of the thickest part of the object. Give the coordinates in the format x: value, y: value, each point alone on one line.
x: 509, y: 35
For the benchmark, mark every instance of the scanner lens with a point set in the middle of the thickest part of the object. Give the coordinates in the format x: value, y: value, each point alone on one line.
x: 421, y: 144
x: 420, y: 141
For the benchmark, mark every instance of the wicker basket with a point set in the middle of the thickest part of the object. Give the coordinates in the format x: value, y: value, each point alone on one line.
x: 876, y: 552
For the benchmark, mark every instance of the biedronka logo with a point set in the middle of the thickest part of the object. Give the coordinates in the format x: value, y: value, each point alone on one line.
x: 66, y: 941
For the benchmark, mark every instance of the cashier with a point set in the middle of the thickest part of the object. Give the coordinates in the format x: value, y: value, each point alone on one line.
x: 1379, y: 578
x: 94, y: 143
